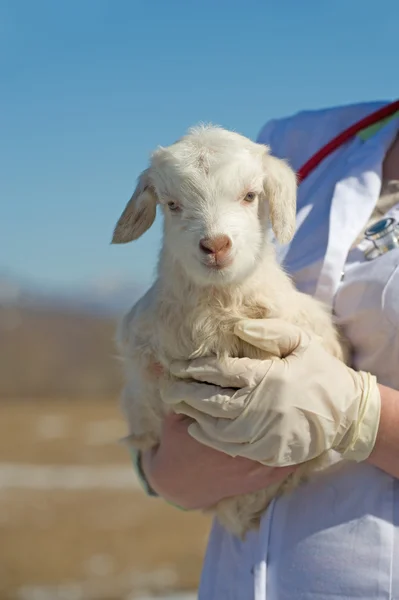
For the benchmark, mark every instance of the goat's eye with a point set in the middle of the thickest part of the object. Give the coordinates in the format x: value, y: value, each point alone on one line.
x: 250, y: 197
x: 173, y: 206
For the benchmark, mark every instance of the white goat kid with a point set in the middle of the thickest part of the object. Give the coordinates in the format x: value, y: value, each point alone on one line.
x: 221, y: 195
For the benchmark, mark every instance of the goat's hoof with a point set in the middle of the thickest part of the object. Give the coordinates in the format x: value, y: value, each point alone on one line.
x: 140, y: 442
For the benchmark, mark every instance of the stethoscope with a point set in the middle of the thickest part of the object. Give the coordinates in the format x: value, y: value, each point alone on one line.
x: 383, y: 235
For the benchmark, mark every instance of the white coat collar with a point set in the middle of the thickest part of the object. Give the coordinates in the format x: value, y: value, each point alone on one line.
x: 337, y: 199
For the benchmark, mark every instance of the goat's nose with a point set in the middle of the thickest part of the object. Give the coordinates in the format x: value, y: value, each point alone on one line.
x: 218, y: 245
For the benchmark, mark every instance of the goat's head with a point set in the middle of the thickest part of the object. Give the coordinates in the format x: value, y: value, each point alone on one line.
x: 221, y: 194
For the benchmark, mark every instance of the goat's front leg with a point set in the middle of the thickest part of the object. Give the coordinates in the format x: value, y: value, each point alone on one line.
x: 142, y: 405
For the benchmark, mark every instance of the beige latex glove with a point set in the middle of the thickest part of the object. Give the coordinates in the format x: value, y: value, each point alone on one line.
x: 283, y: 411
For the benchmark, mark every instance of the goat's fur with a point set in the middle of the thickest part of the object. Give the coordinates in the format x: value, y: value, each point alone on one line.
x: 201, y: 183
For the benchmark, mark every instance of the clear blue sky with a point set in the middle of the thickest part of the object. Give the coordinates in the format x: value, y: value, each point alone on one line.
x: 89, y: 87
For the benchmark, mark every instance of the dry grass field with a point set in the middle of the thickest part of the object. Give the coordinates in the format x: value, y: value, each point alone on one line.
x: 74, y: 524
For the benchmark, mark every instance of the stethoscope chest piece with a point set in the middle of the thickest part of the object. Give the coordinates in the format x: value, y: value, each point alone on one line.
x: 384, y: 236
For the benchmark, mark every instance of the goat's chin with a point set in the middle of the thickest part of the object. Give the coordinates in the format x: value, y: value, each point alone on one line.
x: 233, y: 274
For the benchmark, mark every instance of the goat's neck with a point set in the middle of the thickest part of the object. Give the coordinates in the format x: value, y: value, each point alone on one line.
x: 266, y: 284
x: 199, y: 320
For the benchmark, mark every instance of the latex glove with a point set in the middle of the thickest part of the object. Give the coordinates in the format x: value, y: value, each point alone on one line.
x: 279, y: 412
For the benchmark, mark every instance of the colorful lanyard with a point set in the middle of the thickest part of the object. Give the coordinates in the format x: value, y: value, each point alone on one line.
x: 379, y: 115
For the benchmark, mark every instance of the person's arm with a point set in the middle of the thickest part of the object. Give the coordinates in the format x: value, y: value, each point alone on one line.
x: 385, y: 454
x: 192, y: 476
x: 280, y: 413
x: 169, y: 468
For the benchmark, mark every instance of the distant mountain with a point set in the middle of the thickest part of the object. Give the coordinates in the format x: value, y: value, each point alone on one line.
x: 106, y: 297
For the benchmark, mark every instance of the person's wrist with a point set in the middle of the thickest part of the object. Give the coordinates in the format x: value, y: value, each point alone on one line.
x: 362, y: 434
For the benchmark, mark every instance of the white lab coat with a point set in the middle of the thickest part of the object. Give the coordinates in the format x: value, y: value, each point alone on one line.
x: 337, y: 537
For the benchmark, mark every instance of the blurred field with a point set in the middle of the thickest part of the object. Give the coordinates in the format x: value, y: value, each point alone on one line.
x: 74, y: 525
x: 56, y: 354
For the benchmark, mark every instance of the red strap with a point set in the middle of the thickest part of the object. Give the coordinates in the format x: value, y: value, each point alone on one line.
x: 344, y: 136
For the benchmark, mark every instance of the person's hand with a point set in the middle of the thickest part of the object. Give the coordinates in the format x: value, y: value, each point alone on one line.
x: 283, y: 411
x: 193, y: 476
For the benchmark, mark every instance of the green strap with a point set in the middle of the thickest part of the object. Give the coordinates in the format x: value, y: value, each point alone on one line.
x: 135, y: 455
x: 367, y: 133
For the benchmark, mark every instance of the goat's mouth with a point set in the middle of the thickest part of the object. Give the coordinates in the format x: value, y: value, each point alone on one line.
x: 214, y: 265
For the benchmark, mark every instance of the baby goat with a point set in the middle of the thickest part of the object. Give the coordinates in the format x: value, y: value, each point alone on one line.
x: 221, y: 195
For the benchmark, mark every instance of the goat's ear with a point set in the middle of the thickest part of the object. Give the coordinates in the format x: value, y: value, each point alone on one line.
x: 139, y: 213
x: 280, y: 188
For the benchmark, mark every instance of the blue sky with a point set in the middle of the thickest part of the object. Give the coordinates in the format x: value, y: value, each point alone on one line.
x: 89, y: 87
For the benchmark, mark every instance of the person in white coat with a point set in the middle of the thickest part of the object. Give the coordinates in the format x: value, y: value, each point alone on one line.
x: 336, y: 537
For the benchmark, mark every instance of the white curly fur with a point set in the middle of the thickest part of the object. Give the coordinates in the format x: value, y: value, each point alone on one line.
x: 201, y: 183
